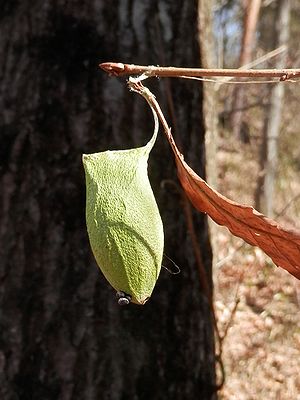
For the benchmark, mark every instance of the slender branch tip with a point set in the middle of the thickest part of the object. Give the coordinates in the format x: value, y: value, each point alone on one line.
x: 112, y: 68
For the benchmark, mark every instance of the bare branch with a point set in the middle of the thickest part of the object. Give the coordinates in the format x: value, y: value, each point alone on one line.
x: 120, y: 69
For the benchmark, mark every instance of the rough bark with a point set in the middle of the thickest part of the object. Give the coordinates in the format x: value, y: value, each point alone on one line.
x: 269, y: 150
x: 62, y: 334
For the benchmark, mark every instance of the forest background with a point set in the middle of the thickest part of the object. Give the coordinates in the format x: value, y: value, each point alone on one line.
x: 257, y: 303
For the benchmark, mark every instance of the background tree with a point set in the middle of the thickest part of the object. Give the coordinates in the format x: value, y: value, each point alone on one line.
x: 62, y: 334
x: 269, y: 149
x: 252, y: 8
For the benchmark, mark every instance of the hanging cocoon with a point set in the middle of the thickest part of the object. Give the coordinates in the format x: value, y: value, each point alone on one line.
x: 123, y: 221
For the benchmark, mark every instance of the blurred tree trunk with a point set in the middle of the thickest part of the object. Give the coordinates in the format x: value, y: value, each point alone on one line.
x: 252, y: 8
x: 264, y: 197
x: 62, y: 335
x: 210, y: 102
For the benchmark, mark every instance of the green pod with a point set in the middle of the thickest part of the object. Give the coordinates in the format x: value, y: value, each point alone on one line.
x: 123, y: 221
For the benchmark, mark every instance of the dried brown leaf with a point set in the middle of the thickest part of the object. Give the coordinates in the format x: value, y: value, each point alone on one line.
x: 281, y: 244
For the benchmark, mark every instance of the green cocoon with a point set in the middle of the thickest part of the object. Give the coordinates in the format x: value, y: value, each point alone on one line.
x: 123, y: 221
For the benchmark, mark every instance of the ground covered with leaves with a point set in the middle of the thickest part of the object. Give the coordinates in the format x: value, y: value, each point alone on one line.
x: 257, y: 304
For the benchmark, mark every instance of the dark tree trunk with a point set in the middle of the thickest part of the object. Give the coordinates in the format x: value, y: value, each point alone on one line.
x: 62, y: 335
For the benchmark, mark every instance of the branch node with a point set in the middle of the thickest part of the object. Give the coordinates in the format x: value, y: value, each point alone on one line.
x: 285, y: 77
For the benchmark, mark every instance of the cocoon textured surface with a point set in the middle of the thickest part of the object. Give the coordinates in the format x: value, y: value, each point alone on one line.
x: 123, y: 221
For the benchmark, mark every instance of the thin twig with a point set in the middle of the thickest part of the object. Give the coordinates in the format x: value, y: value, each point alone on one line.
x: 197, y: 250
x: 120, y: 69
x: 229, y: 81
x: 231, y: 316
x: 265, y: 57
x: 280, y: 213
